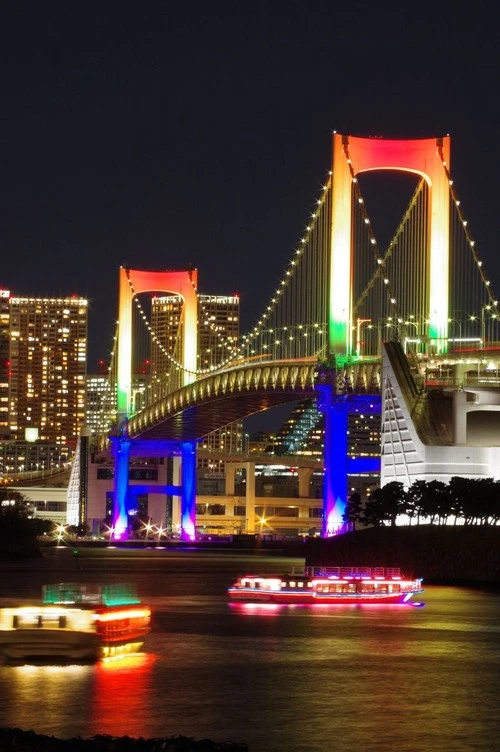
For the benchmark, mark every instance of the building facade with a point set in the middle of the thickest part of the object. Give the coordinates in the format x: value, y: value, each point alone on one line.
x: 48, y: 365
x: 43, y: 363
x: 100, y: 404
x: 218, y: 334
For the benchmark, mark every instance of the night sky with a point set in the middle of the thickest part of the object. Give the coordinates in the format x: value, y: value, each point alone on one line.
x: 158, y: 135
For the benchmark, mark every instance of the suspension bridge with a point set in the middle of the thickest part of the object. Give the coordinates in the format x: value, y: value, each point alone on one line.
x: 321, y: 333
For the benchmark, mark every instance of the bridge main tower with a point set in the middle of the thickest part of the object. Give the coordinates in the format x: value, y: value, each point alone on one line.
x: 351, y: 156
x: 133, y: 282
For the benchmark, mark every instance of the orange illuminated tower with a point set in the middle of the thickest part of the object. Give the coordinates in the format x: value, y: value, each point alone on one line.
x: 133, y: 282
x: 427, y: 157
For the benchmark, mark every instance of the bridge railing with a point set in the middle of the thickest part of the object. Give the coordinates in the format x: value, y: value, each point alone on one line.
x: 374, y: 573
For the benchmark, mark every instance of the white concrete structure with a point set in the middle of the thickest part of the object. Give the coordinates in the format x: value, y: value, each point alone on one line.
x: 50, y: 502
x: 407, y: 454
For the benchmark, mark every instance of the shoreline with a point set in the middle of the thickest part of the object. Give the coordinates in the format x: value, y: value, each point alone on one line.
x: 466, y: 556
x: 29, y: 741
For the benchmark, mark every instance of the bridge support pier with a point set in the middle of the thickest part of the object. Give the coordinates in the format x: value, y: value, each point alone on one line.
x: 335, y: 409
x: 250, y: 497
x: 176, y: 500
x: 338, y: 465
x: 305, y: 475
x: 335, y: 471
x: 121, y: 454
x: 188, y: 490
x: 459, y: 418
x: 230, y: 472
x: 181, y: 486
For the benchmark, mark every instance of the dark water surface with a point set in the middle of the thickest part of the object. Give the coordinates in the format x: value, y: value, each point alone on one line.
x: 281, y: 679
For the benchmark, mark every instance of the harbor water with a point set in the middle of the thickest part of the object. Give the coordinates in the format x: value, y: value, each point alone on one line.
x: 279, y: 678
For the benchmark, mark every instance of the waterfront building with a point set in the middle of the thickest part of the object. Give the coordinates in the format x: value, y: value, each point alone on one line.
x: 43, y: 361
x: 47, y: 502
x: 282, y: 502
x: 47, y: 367
x: 29, y: 459
x: 4, y: 362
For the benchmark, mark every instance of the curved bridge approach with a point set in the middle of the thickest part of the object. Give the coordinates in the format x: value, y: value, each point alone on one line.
x: 194, y: 410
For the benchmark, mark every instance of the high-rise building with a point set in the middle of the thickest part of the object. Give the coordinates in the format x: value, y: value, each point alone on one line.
x: 218, y: 333
x: 46, y: 368
x: 218, y: 329
x: 100, y: 404
x: 4, y: 362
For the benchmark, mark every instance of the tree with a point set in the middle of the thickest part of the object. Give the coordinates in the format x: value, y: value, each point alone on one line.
x: 414, y: 499
x: 385, y: 505
x: 486, y: 500
x: 16, y: 517
x: 353, y: 511
x: 462, y: 498
x: 438, y: 500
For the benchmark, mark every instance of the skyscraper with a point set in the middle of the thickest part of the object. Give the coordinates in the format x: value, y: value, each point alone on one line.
x: 4, y: 362
x: 47, y: 366
x: 100, y: 404
x: 218, y: 333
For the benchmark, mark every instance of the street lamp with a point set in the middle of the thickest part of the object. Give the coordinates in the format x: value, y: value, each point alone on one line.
x: 160, y: 531
x: 416, y: 339
x: 358, y: 335
x: 390, y: 323
x: 378, y: 345
x: 489, y: 307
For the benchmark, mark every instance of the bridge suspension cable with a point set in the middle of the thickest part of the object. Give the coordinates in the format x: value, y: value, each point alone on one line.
x: 293, y: 323
x: 474, y: 309
x: 390, y: 297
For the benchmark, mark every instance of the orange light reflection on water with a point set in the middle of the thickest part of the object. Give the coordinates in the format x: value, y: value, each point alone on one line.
x: 122, y: 686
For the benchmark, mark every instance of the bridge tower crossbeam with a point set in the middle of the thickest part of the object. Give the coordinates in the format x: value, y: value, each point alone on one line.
x: 428, y: 158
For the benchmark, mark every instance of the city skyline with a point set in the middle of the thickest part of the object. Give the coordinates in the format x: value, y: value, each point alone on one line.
x: 172, y: 137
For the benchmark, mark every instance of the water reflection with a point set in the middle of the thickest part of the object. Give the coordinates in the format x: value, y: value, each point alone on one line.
x: 43, y: 697
x: 122, y: 688
x: 301, y: 678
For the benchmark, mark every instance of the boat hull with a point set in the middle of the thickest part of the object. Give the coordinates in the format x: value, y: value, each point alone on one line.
x: 248, y: 596
x: 35, y: 644
x: 60, y: 634
x: 328, y: 586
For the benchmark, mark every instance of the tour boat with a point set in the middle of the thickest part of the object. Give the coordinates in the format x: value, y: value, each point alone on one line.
x: 328, y: 585
x: 75, y: 622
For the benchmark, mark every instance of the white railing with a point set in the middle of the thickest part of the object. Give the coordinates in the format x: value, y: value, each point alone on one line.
x: 386, y: 573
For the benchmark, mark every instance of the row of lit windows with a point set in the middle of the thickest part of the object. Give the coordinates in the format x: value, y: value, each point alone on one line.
x: 240, y: 511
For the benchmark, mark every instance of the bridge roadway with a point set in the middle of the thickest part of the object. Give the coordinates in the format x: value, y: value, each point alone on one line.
x: 192, y: 412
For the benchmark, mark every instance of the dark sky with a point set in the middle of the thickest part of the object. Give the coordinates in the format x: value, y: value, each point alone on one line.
x: 162, y: 134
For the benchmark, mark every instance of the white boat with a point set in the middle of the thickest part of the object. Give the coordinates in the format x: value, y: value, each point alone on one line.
x: 75, y: 622
x: 329, y: 585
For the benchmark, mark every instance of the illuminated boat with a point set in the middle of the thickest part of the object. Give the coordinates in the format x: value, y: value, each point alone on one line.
x: 75, y: 622
x: 328, y: 585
